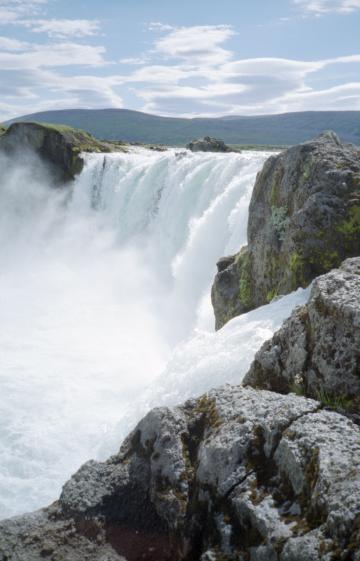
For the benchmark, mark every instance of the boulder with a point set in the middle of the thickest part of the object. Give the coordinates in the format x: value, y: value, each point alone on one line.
x: 235, y: 475
x: 208, y: 144
x: 304, y: 220
x: 59, y: 146
x: 317, y: 350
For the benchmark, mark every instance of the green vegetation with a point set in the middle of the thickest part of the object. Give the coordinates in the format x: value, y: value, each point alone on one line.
x: 271, y: 294
x: 297, y: 265
x: 351, y: 227
x: 2, y: 129
x: 275, y: 131
x: 244, y: 264
x: 334, y: 401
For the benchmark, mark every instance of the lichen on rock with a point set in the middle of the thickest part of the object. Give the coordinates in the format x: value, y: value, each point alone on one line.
x: 237, y: 474
x: 317, y: 350
x: 304, y: 219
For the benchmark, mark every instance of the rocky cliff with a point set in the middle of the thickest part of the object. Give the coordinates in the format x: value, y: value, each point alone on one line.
x: 304, y: 219
x: 317, y: 350
x: 59, y: 146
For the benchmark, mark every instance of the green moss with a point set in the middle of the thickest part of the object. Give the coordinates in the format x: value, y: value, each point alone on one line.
x: 297, y: 265
x: 297, y: 389
x: 245, y: 283
x: 271, y: 294
x: 351, y: 226
x: 325, y: 260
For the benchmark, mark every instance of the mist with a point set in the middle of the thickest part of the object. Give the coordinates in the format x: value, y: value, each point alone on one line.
x: 105, y: 303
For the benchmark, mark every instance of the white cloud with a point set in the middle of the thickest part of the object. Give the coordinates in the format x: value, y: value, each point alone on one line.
x: 53, y: 55
x: 186, y: 71
x: 7, y: 44
x: 197, y: 76
x: 63, y: 28
x: 196, y: 43
x: 319, y: 7
x: 158, y: 26
x: 12, y: 10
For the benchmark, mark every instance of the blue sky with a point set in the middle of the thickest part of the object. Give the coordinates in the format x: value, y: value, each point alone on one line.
x: 187, y: 58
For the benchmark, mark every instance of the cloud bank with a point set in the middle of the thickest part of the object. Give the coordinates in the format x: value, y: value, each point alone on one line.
x: 186, y: 71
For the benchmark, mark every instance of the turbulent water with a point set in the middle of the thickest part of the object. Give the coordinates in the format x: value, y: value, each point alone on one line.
x: 105, y: 307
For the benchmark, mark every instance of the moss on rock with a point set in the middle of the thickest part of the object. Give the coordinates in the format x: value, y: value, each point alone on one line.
x: 60, y: 146
x: 304, y: 220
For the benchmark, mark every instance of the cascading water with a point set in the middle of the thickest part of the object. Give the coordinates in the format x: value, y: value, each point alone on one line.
x: 105, y: 308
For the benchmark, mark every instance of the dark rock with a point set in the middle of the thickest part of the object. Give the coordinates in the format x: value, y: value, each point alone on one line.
x: 237, y: 474
x: 208, y: 144
x: 304, y: 219
x: 59, y: 146
x: 317, y: 350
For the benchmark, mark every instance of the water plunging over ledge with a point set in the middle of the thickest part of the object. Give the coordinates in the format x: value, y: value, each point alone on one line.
x: 105, y: 306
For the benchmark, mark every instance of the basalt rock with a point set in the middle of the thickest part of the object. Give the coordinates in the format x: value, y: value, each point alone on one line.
x: 59, y: 146
x: 317, y: 350
x: 304, y: 220
x: 208, y: 144
x: 235, y: 475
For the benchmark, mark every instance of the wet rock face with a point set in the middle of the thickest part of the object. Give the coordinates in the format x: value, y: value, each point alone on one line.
x: 304, y: 219
x: 60, y: 147
x: 317, y: 350
x: 208, y: 144
x: 237, y: 474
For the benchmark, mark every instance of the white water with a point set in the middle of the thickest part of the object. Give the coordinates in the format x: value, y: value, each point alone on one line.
x: 104, y: 304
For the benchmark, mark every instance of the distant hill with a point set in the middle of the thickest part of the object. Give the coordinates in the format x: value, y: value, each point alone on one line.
x: 134, y: 126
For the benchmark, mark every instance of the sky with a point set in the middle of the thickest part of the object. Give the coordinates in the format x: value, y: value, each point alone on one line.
x: 189, y: 58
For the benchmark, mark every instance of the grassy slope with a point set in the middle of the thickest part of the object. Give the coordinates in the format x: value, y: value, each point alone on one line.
x: 285, y: 129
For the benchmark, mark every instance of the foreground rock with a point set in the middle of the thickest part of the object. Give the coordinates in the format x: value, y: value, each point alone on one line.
x: 304, y: 219
x: 238, y: 474
x: 59, y: 146
x: 317, y: 350
x: 208, y: 144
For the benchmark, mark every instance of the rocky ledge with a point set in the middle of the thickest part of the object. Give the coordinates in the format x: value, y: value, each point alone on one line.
x: 238, y: 474
x: 208, y: 144
x: 59, y: 146
x: 317, y: 350
x: 304, y: 219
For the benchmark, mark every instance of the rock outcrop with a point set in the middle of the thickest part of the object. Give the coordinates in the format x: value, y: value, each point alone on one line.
x: 237, y: 474
x: 304, y: 219
x: 208, y: 144
x: 59, y: 146
x: 317, y: 350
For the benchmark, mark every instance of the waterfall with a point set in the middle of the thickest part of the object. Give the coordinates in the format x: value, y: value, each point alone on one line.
x: 105, y: 307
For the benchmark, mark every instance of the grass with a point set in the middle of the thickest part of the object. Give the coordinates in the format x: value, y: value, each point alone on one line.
x: 334, y: 401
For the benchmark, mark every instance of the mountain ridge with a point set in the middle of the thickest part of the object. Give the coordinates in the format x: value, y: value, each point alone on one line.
x: 136, y: 126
